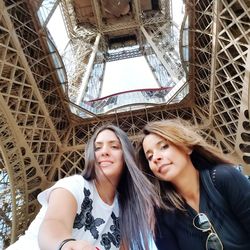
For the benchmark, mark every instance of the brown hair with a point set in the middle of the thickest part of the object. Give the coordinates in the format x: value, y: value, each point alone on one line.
x: 185, y: 136
x: 137, y: 197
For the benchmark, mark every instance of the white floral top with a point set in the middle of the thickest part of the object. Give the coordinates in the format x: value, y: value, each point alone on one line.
x: 96, y: 221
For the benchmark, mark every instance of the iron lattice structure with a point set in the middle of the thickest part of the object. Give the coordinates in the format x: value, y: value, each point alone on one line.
x: 41, y: 137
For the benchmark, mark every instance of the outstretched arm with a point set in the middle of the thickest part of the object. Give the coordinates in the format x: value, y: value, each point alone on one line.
x: 58, y: 223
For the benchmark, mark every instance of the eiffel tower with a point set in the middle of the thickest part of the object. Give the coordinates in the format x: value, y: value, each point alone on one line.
x: 50, y: 100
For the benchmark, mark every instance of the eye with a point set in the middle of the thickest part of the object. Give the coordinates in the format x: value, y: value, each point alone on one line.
x: 149, y: 157
x: 164, y: 146
x: 97, y: 148
x: 115, y: 146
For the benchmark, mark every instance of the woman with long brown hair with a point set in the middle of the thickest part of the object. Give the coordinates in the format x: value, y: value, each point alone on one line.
x: 206, y: 200
x: 109, y: 207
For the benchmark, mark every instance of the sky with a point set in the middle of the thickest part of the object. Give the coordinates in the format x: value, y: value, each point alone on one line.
x: 120, y: 75
x: 133, y: 73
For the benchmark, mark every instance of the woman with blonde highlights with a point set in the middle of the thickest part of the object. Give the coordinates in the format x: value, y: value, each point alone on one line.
x: 206, y: 200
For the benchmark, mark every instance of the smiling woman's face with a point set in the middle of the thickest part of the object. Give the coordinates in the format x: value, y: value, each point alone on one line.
x: 166, y: 160
x: 109, y: 155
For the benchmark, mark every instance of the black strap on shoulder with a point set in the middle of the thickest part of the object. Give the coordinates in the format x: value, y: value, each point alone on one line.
x: 212, y: 191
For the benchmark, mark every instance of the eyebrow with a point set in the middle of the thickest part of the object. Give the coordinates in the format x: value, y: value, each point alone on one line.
x: 110, y: 142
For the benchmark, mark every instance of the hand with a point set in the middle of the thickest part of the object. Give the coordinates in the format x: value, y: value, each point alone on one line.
x: 78, y: 245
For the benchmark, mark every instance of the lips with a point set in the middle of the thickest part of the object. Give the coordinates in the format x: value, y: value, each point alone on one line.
x: 105, y: 163
x: 162, y: 167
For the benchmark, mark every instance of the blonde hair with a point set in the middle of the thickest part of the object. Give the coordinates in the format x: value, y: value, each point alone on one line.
x: 186, y: 137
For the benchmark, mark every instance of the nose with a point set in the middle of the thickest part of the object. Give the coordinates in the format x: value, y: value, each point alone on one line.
x: 105, y: 150
x: 157, y: 157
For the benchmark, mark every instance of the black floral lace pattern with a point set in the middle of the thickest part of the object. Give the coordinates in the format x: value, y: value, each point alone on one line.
x: 85, y: 218
x: 114, y: 236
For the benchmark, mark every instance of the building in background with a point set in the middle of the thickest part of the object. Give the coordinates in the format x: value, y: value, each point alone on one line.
x: 51, y: 85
